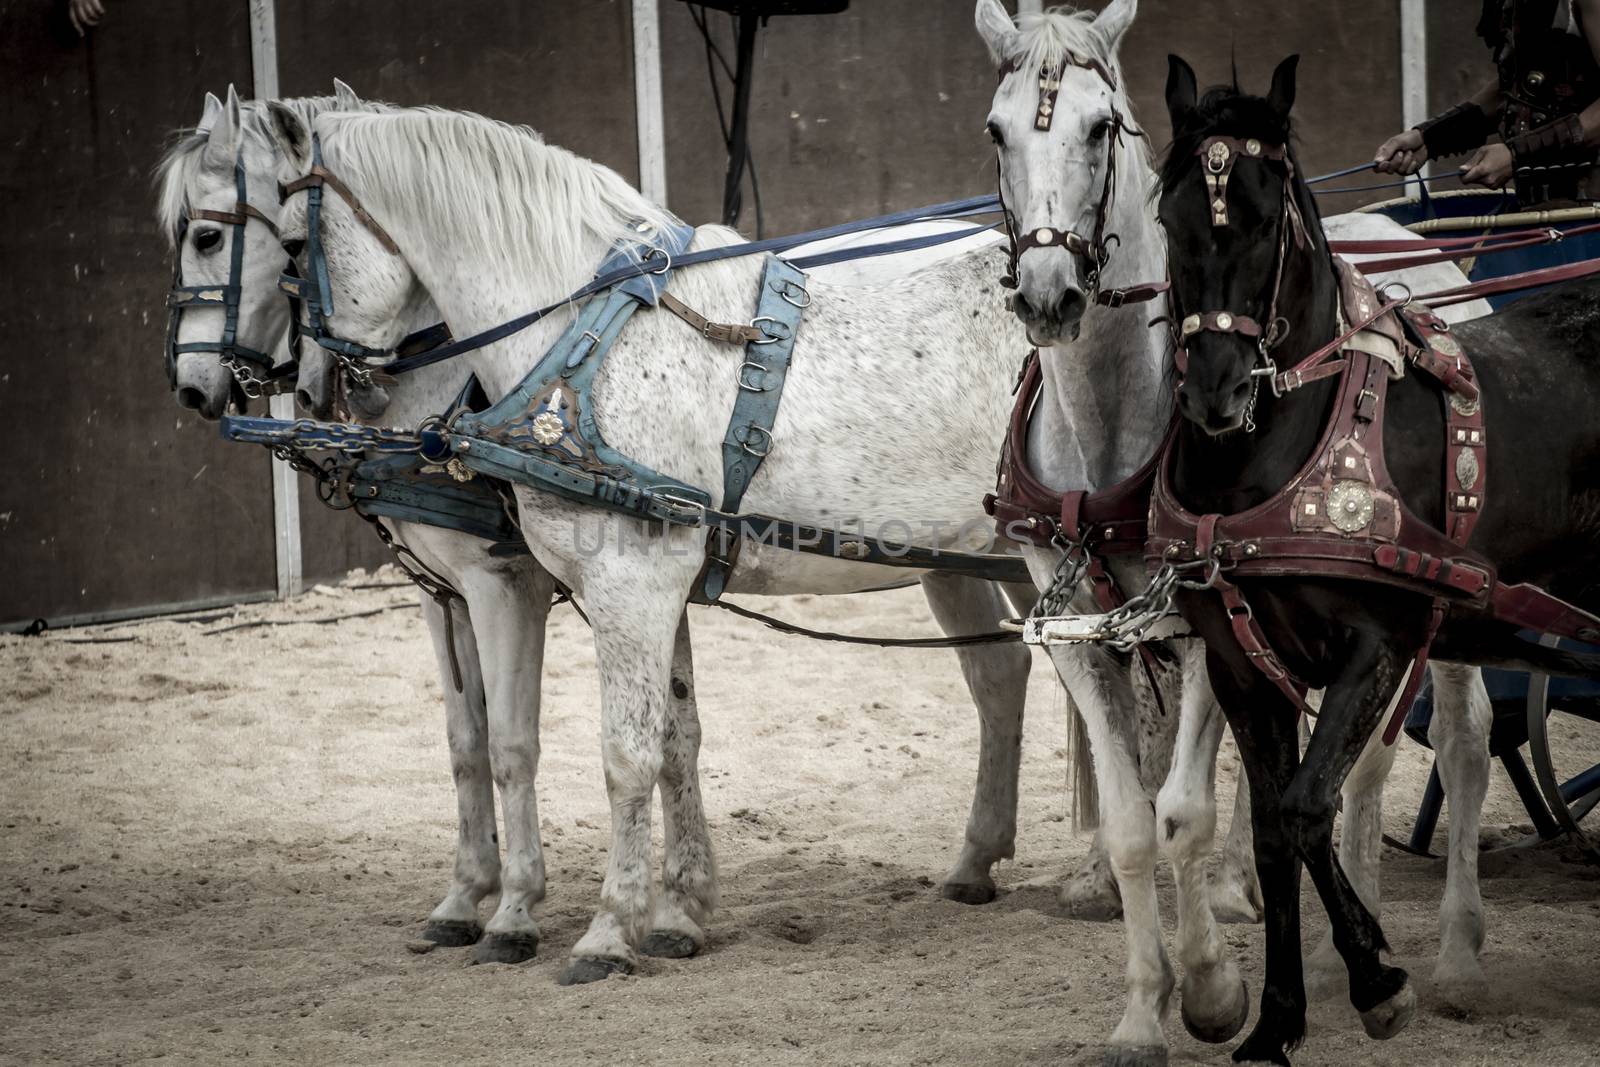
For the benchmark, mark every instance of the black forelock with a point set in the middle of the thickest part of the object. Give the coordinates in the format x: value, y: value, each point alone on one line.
x: 1222, y: 110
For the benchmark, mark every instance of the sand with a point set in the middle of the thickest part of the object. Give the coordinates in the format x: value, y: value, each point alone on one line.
x: 217, y: 846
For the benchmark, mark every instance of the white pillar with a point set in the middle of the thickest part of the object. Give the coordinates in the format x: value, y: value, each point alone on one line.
x: 647, y: 101
x: 1413, y: 62
x: 285, y: 482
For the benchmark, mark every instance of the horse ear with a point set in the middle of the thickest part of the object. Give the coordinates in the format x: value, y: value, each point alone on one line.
x: 223, y: 144
x: 1182, y: 90
x: 345, y: 96
x: 1281, y: 95
x: 1114, y: 21
x: 996, y: 29
x: 290, y: 135
x: 210, y: 112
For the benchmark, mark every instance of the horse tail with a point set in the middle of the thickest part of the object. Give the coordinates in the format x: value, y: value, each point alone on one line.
x: 1080, y: 771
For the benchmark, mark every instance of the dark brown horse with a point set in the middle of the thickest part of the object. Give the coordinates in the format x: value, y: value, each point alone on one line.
x: 1241, y: 442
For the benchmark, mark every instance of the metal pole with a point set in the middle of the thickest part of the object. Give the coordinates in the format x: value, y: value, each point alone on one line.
x: 648, y: 102
x: 285, y: 483
x: 1413, y: 62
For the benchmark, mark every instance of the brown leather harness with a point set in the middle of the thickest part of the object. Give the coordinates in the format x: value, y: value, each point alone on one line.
x: 1341, y: 516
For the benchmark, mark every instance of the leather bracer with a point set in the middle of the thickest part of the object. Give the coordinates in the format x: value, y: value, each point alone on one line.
x: 1461, y: 129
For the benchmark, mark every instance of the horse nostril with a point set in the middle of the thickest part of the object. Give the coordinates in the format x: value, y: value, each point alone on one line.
x: 302, y: 397
x: 191, y: 398
x: 1241, y: 392
x: 1020, y: 305
x: 1070, y: 307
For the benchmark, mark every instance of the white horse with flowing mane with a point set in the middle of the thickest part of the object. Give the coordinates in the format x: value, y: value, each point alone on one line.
x: 853, y: 438
x: 1055, y: 179
x: 492, y: 724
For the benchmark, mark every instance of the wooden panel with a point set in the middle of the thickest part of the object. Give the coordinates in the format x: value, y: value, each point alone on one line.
x: 113, y: 497
x: 564, y: 69
x: 845, y: 124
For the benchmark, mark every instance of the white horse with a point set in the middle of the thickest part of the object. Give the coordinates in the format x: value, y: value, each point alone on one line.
x: 493, y: 725
x: 492, y: 722
x: 1055, y: 179
x: 854, y: 437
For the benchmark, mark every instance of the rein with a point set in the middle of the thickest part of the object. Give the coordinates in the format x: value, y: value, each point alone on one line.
x: 253, y: 372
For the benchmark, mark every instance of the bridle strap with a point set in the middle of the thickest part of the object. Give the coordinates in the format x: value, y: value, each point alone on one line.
x: 321, y: 176
x: 240, y: 214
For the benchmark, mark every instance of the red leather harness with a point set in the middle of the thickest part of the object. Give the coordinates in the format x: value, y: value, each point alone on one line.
x: 1342, y: 516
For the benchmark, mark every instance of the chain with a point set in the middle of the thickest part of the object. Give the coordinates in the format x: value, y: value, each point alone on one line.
x: 1056, y: 599
x: 1124, y: 627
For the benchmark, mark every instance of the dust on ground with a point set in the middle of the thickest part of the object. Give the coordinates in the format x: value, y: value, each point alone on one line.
x: 216, y: 845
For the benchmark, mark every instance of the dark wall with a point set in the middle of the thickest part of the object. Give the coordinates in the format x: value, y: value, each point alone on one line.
x: 564, y: 69
x: 111, y: 497
x: 114, y: 498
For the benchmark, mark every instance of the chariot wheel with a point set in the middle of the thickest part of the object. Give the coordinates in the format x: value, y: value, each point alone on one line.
x: 1563, y: 741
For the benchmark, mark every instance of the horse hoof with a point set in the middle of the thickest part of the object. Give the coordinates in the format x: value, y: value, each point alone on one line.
x: 967, y: 892
x: 669, y: 945
x: 1225, y: 1024
x: 1389, y: 1018
x: 452, y: 933
x: 588, y: 969
x: 1092, y: 909
x: 1257, y: 1049
x: 1143, y: 1056
x: 506, y: 948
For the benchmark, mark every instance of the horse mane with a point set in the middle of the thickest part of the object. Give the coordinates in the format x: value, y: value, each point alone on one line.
x: 497, y: 185
x: 185, y: 156
x: 1046, y: 38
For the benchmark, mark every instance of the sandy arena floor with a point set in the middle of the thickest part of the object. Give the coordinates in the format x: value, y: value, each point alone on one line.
x: 216, y: 847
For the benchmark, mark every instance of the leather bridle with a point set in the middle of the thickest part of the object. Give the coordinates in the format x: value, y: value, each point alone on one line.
x: 1093, y: 250
x: 1218, y: 154
x: 253, y: 372
x: 316, y: 292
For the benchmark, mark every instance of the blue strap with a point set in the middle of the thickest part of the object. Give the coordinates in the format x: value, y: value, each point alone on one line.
x: 755, y: 409
x: 647, y: 265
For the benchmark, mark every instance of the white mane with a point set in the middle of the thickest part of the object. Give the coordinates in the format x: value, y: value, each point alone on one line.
x: 493, y: 184
x: 1045, y: 38
x: 182, y: 162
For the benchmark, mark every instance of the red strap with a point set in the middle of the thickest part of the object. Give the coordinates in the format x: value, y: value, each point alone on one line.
x: 1414, y: 681
x: 1528, y: 279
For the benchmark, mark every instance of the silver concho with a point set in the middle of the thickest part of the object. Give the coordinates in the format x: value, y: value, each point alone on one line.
x: 1462, y: 405
x: 1253, y: 146
x: 1217, y: 157
x: 1350, y: 506
x: 1224, y: 321
x: 1466, y: 468
x: 1444, y: 344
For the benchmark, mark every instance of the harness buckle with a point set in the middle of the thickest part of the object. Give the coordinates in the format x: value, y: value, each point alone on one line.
x: 771, y: 337
x: 750, y: 441
x: 749, y: 386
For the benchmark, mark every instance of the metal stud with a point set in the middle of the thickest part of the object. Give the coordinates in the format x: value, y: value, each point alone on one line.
x: 1224, y: 321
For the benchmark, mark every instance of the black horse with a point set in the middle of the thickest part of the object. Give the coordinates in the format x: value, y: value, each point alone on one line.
x: 1541, y: 524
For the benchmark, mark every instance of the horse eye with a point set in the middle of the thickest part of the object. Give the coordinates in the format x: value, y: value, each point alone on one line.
x: 208, y: 240
x: 294, y: 246
x: 1100, y: 131
x: 995, y: 135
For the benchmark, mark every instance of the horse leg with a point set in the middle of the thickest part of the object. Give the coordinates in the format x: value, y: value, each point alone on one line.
x: 1235, y: 890
x: 1265, y: 729
x: 1100, y: 687
x: 1215, y: 1000
x: 634, y: 622
x: 477, y: 868
x: 511, y: 602
x: 1459, y: 734
x: 1351, y: 709
x: 688, y: 871
x: 997, y: 678
x: 1360, y: 846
